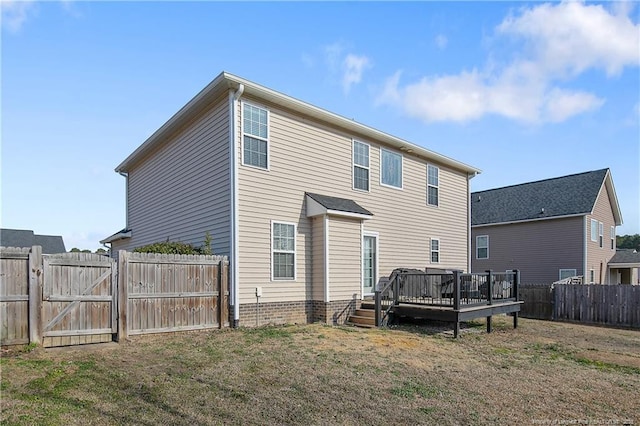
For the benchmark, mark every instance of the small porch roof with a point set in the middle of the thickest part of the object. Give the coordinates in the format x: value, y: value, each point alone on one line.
x: 626, y: 258
x: 318, y: 205
x: 120, y: 235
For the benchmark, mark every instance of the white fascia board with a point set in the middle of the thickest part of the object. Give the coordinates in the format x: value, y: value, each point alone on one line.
x: 623, y: 265
x: 116, y: 237
x: 527, y: 220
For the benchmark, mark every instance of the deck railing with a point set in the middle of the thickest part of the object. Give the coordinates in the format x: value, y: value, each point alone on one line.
x: 453, y: 290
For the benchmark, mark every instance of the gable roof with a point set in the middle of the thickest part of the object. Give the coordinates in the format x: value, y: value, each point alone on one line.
x: 572, y: 195
x: 225, y: 82
x: 335, y: 205
x: 25, y: 238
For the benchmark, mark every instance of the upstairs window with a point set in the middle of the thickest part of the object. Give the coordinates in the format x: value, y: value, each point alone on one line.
x: 613, y: 238
x: 601, y: 234
x: 482, y: 247
x: 360, y: 166
x: 435, y: 250
x: 594, y: 230
x: 255, y: 130
x: 391, y: 169
x: 283, y: 248
x: 433, y: 184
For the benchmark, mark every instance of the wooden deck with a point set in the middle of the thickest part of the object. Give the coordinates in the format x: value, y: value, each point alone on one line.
x: 412, y: 295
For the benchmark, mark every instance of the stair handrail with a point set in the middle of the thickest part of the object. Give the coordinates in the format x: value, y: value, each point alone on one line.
x: 380, y: 316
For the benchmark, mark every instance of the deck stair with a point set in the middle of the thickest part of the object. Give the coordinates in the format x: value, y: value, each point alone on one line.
x: 363, y: 317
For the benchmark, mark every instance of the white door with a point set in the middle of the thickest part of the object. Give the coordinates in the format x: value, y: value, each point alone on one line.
x: 369, y: 264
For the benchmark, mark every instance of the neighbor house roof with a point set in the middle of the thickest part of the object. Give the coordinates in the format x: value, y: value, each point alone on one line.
x: 335, y: 204
x: 625, y: 257
x: 225, y: 82
x: 25, y: 238
x: 572, y: 195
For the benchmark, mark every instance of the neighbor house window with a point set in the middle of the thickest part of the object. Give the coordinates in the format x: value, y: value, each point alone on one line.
x: 283, y: 248
x: 391, y: 168
x: 601, y: 234
x: 433, y: 184
x: 255, y: 130
x: 567, y: 273
x: 435, y: 250
x: 594, y: 230
x: 360, y: 166
x: 613, y: 238
x: 482, y: 247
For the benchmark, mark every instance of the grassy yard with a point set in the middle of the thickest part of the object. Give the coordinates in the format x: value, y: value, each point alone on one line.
x: 315, y: 374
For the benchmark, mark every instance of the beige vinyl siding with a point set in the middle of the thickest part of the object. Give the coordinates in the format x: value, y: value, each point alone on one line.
x: 309, y: 156
x: 539, y: 249
x: 597, y: 257
x: 345, y: 258
x: 318, y: 246
x: 181, y: 190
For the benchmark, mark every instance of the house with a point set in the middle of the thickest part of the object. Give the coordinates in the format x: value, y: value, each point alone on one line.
x: 26, y: 238
x: 550, y: 229
x: 310, y: 207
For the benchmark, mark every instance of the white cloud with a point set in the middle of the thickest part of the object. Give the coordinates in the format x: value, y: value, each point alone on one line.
x: 15, y: 13
x: 353, y: 67
x: 441, y: 41
x: 345, y: 66
x: 561, y: 41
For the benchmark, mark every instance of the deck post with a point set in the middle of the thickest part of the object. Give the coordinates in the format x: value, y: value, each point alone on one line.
x: 378, y: 308
x: 489, y: 296
x: 456, y: 330
x: 456, y: 293
x: 516, y: 284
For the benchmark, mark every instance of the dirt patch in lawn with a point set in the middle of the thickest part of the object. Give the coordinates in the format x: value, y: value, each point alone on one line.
x: 316, y: 374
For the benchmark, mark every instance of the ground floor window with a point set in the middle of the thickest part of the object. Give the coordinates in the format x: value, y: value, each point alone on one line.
x: 567, y: 273
x: 435, y: 250
x: 283, y: 251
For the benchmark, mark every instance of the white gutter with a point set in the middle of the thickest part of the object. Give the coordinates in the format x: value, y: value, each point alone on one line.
x: 482, y: 225
x: 235, y: 252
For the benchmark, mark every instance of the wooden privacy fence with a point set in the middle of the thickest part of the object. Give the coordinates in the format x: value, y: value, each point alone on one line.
x: 161, y: 292
x: 615, y: 304
x: 77, y: 298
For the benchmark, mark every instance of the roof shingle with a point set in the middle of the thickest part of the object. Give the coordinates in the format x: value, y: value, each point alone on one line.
x: 562, y: 196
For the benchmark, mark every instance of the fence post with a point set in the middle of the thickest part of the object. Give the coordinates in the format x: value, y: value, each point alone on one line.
x: 456, y: 290
x: 36, y: 277
x: 378, y: 307
x: 223, y: 298
x: 123, y: 295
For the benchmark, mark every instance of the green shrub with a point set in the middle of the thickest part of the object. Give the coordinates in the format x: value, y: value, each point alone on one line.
x: 169, y: 247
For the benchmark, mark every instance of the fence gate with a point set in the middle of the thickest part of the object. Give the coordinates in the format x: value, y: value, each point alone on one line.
x: 79, y: 299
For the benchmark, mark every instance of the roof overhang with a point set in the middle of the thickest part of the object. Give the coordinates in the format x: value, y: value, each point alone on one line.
x: 613, y: 198
x: 624, y: 265
x: 225, y: 82
x: 120, y: 235
x: 314, y: 208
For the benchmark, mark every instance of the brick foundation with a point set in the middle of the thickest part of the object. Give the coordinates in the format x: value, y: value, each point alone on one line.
x: 304, y: 312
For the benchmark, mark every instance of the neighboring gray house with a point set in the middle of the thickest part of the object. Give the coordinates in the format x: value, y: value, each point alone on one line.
x: 549, y: 229
x: 311, y: 207
x: 25, y: 238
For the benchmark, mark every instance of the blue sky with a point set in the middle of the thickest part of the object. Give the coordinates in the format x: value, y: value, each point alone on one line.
x: 523, y: 91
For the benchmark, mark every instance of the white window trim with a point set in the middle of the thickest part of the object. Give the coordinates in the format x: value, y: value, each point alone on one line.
x: 613, y: 237
x: 243, y: 134
x: 478, y: 247
x: 295, y: 248
x: 433, y: 186
x: 594, y: 225
x: 401, y: 169
x: 592, y: 276
x: 431, y: 251
x: 575, y: 272
x: 354, y: 165
x: 377, y: 268
x: 601, y: 234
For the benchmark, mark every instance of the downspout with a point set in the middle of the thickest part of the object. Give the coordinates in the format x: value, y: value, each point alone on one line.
x: 126, y: 198
x: 469, y: 244
x: 235, y: 252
